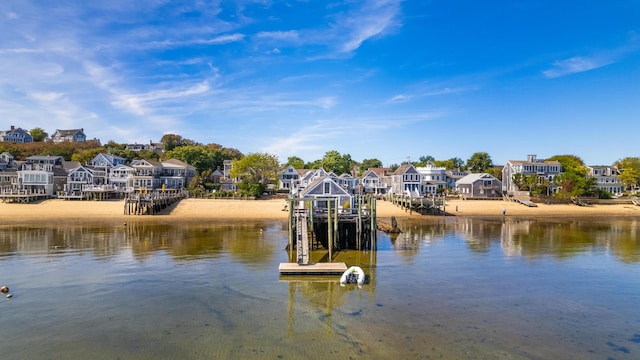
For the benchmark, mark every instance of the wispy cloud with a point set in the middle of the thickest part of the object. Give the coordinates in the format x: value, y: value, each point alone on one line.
x: 310, y: 140
x: 576, y: 64
x: 373, y: 19
x: 218, y: 40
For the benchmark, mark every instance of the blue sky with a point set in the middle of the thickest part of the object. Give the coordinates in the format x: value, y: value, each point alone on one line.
x: 386, y: 79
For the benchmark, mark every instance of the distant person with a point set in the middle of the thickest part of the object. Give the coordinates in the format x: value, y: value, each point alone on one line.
x: 504, y: 211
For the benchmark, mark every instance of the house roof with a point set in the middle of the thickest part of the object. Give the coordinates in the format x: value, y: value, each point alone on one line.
x: 403, y: 169
x: 472, y: 178
x: 537, y: 162
x: 69, y: 132
x: 175, y: 163
x: 319, y: 181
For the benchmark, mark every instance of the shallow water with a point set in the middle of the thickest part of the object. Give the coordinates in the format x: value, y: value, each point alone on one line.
x: 460, y: 289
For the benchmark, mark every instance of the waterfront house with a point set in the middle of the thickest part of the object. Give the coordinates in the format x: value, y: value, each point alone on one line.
x: 433, y: 179
x: 227, y: 183
x: 121, y: 178
x: 311, y: 176
x: 73, y: 135
x: 146, y: 174
x: 42, y: 175
x: 8, y: 172
x: 372, y: 181
x: 349, y: 183
x: 326, y: 187
x: 607, y: 178
x: 453, y: 176
x: 406, y: 180
x: 176, y: 174
x: 16, y: 135
x: 544, y: 170
x: 288, y: 178
x: 479, y: 186
x: 78, y: 178
x: 216, y: 175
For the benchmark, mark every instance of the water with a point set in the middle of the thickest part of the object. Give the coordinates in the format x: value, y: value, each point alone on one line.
x: 464, y: 289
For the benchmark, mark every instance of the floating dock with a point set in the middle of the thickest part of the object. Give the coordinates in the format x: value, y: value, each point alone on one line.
x: 312, y: 269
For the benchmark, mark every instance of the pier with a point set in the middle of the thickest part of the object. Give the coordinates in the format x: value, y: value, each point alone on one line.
x: 150, y: 203
x: 435, y: 205
x: 22, y: 196
x: 319, y: 226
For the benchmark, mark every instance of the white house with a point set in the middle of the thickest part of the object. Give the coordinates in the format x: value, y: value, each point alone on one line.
x: 607, y: 178
x: 434, y: 179
x: 406, y: 180
x: 543, y: 169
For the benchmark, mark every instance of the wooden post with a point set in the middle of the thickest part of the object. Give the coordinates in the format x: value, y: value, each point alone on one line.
x: 329, y: 231
x: 335, y: 223
x: 290, y: 201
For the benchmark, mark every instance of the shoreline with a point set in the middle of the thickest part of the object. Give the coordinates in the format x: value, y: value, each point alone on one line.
x: 198, y: 210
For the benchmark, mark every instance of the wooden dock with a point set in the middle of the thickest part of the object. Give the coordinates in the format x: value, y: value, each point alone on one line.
x: 151, y: 203
x: 425, y: 206
x: 310, y: 269
x: 22, y: 196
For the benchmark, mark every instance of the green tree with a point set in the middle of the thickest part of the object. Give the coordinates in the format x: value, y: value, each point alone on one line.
x: 451, y: 164
x: 339, y: 164
x: 256, y: 168
x: 196, y: 155
x: 295, y: 161
x: 479, y: 162
x: 426, y: 159
x: 171, y: 141
x: 38, y: 134
x: 574, y: 179
x: 84, y: 156
x: 629, y: 171
x: 317, y: 164
x: 370, y: 163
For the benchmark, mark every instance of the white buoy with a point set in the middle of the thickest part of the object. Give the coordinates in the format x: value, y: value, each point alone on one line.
x: 9, y: 296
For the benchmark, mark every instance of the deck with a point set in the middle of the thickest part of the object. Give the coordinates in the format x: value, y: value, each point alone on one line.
x: 316, y: 268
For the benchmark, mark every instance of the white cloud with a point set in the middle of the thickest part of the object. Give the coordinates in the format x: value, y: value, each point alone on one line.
x: 576, y: 64
x: 400, y: 98
x: 290, y: 36
x: 373, y: 19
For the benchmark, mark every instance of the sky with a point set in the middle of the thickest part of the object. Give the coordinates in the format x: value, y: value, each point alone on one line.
x: 375, y: 79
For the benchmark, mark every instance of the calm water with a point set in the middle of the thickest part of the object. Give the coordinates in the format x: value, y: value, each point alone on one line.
x: 457, y: 290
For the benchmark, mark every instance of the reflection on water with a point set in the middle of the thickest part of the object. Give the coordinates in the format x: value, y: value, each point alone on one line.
x: 456, y: 289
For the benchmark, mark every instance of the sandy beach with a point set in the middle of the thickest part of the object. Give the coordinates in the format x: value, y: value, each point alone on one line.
x: 50, y: 211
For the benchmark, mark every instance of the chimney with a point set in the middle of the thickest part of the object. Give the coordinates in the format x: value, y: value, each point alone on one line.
x: 12, y: 128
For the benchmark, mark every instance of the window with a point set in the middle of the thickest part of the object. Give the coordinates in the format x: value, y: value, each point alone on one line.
x: 327, y: 188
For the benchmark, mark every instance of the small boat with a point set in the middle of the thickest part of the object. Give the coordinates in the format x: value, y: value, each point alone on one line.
x: 353, y: 275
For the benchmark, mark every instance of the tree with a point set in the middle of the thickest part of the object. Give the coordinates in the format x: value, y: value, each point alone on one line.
x: 629, y: 171
x: 196, y: 155
x: 295, y: 161
x: 370, y: 163
x: 574, y: 179
x: 84, y: 156
x: 171, y: 141
x: 221, y: 153
x: 339, y: 164
x: 38, y: 134
x: 426, y: 159
x: 479, y: 162
x: 255, y: 168
x: 451, y: 164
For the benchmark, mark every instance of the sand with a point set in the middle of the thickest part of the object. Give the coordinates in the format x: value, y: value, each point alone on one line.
x: 52, y: 211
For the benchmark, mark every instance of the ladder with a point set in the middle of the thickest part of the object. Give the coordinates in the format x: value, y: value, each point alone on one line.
x: 302, y: 237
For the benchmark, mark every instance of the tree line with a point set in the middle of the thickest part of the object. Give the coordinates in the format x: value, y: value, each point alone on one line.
x: 257, y: 170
